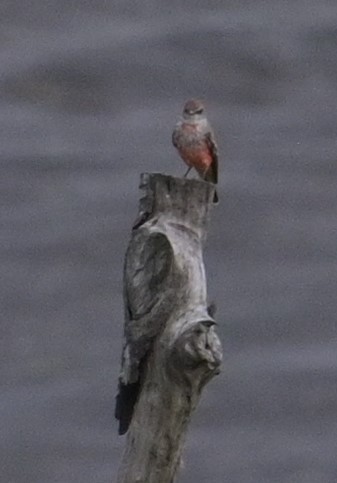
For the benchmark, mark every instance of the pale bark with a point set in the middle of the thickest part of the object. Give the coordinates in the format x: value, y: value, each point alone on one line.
x: 168, y: 324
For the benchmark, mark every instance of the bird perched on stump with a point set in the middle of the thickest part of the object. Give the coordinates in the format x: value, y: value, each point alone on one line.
x: 194, y: 139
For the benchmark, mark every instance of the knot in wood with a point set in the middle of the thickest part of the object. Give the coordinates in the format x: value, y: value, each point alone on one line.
x: 197, y: 348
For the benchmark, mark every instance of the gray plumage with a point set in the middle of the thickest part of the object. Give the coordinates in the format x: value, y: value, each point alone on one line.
x: 147, y: 274
x: 194, y: 139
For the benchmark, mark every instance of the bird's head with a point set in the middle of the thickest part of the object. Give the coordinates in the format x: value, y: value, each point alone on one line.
x: 193, y: 109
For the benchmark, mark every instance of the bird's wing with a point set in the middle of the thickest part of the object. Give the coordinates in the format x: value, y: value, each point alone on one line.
x: 148, y: 301
x: 147, y: 267
x: 176, y: 135
x: 212, y: 173
x: 148, y: 294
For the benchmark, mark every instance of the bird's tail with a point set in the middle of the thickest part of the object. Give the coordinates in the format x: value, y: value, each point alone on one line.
x: 211, y: 177
x: 125, y: 402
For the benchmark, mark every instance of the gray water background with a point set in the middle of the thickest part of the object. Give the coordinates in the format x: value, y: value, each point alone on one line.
x: 89, y: 92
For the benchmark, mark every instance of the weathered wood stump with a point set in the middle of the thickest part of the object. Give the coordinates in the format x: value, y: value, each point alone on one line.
x: 171, y: 349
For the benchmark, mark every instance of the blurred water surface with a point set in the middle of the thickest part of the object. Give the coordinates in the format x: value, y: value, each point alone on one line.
x: 89, y: 92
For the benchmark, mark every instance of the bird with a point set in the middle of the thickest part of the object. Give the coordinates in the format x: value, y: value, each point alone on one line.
x: 148, y: 274
x: 194, y: 139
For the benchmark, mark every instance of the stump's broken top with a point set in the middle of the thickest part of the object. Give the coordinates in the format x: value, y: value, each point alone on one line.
x: 171, y: 349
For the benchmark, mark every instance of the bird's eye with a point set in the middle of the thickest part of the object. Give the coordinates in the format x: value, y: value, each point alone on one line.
x: 199, y: 111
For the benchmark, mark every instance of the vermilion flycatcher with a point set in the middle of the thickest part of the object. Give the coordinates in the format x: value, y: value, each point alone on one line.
x: 194, y: 139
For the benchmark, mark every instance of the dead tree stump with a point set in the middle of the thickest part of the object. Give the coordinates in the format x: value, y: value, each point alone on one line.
x: 170, y: 349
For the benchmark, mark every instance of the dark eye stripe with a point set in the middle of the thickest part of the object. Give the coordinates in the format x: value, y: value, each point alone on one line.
x: 191, y: 112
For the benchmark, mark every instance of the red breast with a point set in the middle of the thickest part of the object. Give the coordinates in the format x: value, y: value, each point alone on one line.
x: 198, y: 157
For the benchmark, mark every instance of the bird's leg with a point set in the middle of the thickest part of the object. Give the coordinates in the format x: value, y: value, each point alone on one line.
x: 189, y: 169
